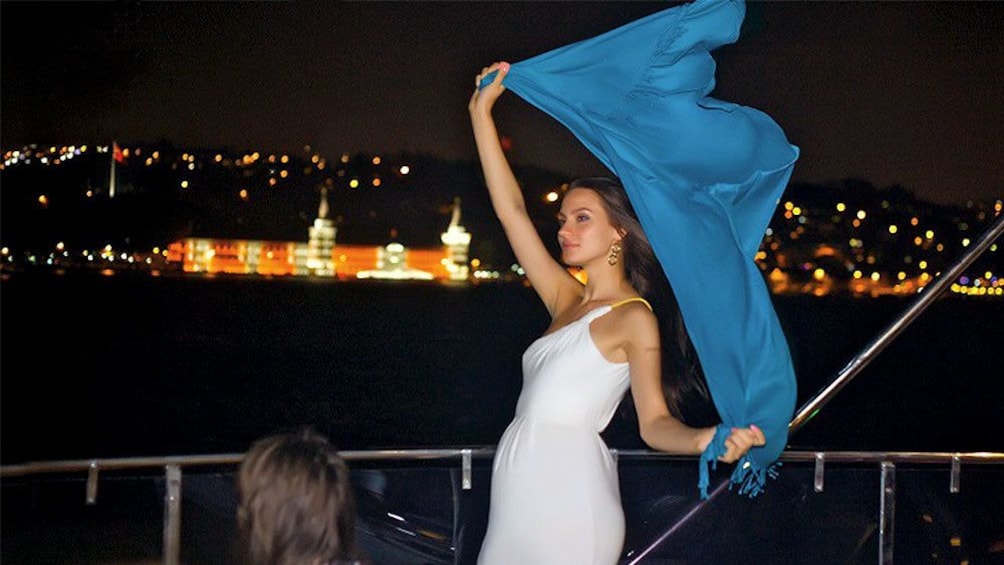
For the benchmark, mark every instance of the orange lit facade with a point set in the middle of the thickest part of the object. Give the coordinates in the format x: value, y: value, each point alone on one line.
x: 234, y: 256
x: 248, y: 257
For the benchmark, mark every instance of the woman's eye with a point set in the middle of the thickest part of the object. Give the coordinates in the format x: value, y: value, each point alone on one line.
x: 582, y: 218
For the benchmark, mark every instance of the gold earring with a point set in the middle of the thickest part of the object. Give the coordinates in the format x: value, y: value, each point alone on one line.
x: 615, y: 251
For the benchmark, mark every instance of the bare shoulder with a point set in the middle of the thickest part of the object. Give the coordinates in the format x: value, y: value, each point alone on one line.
x: 631, y: 324
x: 634, y: 311
x: 636, y: 319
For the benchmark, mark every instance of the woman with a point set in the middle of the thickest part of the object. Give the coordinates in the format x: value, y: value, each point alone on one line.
x: 295, y: 503
x: 555, y: 496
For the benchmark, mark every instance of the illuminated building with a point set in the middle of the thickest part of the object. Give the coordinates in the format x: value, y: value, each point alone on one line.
x: 321, y: 241
x: 392, y: 263
x: 322, y: 256
x: 458, y: 242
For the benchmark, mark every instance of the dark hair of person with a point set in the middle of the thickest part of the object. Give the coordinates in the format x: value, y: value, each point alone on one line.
x: 683, y: 380
x: 295, y: 502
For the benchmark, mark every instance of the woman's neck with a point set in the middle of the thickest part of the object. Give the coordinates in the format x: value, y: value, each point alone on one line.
x: 606, y: 283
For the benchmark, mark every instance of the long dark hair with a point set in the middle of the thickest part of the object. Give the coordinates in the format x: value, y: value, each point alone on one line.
x: 683, y: 380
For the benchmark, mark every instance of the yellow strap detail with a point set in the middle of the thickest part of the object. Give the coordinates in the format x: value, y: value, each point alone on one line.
x: 632, y: 299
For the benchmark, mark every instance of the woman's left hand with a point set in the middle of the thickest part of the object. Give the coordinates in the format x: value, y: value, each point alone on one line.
x: 740, y: 441
x: 483, y: 99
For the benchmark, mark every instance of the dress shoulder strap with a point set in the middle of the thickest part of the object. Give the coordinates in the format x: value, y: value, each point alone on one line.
x: 632, y: 299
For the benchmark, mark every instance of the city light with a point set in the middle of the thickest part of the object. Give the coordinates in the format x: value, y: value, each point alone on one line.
x: 790, y: 258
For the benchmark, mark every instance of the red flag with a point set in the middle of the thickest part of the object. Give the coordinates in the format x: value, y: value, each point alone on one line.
x: 117, y: 152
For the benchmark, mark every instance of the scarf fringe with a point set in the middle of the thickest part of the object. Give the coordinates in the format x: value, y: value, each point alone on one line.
x: 749, y: 476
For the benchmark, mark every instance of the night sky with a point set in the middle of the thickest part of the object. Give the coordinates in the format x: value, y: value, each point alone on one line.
x: 894, y: 92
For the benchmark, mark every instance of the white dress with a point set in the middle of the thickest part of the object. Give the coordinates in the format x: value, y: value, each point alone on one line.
x: 555, y: 497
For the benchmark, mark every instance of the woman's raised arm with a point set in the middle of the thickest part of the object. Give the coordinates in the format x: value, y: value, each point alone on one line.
x: 547, y: 276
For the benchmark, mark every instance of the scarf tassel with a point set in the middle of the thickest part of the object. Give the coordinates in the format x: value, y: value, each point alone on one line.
x: 750, y: 477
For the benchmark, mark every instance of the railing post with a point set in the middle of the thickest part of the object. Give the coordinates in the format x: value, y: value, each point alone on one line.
x: 92, y: 484
x: 817, y: 476
x: 465, y: 456
x: 172, y: 515
x: 953, y: 482
x: 887, y: 512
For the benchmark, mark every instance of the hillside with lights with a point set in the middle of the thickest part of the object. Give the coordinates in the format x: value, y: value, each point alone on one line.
x: 124, y: 205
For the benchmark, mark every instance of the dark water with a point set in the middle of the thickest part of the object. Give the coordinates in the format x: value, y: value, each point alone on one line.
x: 127, y: 365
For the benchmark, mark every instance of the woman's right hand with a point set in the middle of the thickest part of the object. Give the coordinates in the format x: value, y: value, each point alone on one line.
x: 483, y: 99
x: 737, y: 444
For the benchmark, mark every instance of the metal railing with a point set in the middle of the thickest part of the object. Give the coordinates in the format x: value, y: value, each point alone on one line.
x: 172, y: 466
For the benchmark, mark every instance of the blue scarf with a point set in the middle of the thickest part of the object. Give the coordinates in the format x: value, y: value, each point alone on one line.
x: 704, y: 177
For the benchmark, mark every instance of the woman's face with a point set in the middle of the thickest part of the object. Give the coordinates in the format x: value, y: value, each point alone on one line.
x: 585, y: 233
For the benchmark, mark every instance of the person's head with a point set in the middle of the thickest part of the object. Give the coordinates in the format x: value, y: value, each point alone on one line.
x: 295, y: 502
x: 598, y: 221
